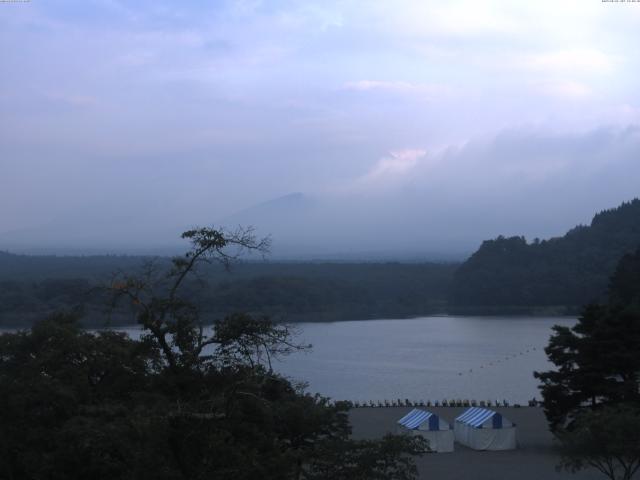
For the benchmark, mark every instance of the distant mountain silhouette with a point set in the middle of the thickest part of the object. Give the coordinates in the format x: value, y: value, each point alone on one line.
x: 287, y: 219
x: 570, y: 270
x: 279, y: 210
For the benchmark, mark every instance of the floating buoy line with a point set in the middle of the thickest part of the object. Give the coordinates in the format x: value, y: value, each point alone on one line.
x: 501, y: 360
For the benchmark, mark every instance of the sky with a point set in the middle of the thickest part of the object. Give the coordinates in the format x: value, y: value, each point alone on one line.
x: 410, y: 125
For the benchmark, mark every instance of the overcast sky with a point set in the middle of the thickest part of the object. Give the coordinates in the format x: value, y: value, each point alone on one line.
x: 186, y: 112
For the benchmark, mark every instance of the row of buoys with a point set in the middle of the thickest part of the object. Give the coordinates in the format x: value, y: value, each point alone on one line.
x: 429, y: 403
x: 508, y: 357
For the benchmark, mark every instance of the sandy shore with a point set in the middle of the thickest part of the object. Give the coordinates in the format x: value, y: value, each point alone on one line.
x: 535, y: 459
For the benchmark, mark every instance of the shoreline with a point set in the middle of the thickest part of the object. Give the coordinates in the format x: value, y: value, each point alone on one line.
x: 535, y: 458
x: 11, y: 321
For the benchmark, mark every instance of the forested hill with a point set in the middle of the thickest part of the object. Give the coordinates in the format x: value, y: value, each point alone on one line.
x: 32, y: 286
x: 565, y: 271
x: 37, y: 267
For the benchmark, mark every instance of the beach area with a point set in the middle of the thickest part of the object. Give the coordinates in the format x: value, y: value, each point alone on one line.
x: 535, y: 458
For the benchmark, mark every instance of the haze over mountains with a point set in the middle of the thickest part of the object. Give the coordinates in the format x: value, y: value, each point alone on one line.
x: 505, y: 275
x: 521, y: 182
x: 410, y: 204
x: 412, y: 130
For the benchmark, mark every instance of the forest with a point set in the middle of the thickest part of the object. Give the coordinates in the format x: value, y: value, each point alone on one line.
x: 292, y: 292
x: 177, y: 403
x: 504, y: 276
x: 564, y: 272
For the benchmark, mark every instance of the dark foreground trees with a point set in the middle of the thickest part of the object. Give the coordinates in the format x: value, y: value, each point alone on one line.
x: 607, y: 439
x: 180, y: 403
x: 592, y: 399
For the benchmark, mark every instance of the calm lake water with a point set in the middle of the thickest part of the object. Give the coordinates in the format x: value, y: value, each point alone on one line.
x: 429, y: 358
x: 482, y: 358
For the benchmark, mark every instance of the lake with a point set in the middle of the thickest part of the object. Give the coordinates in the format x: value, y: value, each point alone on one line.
x: 428, y: 358
x: 436, y: 358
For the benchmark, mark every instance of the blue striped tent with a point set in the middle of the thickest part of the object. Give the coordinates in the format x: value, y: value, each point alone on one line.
x: 427, y: 424
x: 484, y: 429
x: 477, y: 416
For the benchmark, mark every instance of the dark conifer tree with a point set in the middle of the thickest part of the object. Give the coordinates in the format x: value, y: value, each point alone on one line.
x: 597, y: 360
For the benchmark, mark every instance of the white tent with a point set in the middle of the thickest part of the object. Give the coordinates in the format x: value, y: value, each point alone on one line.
x: 483, y: 429
x: 438, y: 432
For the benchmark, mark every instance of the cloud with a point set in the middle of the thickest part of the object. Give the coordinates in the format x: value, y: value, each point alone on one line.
x: 565, y: 89
x: 397, y: 163
x: 536, y: 183
x: 455, y: 18
x: 313, y: 17
x: 471, y: 18
x: 263, y: 98
x: 426, y: 91
x: 512, y: 161
x: 390, y: 170
x: 584, y: 60
x: 246, y: 7
x: 75, y: 100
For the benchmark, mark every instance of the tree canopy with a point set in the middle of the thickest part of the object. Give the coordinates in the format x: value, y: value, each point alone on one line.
x: 32, y: 287
x: 183, y: 402
x: 592, y: 398
x: 567, y: 271
x: 607, y: 440
x: 598, y: 359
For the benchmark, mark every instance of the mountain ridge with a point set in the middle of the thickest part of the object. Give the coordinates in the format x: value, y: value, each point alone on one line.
x: 570, y: 270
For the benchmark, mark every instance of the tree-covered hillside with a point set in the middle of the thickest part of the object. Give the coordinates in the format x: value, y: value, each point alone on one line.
x: 505, y: 275
x: 31, y: 286
x: 178, y: 403
x: 567, y: 271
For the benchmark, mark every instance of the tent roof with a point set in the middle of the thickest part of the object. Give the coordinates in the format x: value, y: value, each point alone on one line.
x: 476, y: 416
x: 415, y: 418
